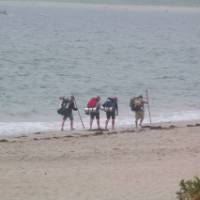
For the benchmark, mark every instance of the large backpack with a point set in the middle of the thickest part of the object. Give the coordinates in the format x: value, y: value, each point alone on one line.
x: 64, y: 110
x: 92, y: 102
x: 110, y: 103
x: 135, y: 104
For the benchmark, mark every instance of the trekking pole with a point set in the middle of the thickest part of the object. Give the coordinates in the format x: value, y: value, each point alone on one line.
x: 148, y: 106
x: 79, y: 113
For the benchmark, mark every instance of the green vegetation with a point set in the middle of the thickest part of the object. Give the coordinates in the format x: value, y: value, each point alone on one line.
x: 189, y: 190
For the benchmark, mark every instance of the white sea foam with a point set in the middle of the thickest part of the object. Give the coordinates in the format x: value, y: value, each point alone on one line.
x: 26, y: 128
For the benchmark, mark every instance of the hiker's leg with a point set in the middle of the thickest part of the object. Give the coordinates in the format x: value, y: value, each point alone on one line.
x: 63, y: 123
x: 113, y: 124
x: 106, y: 126
x: 98, y: 120
x: 98, y: 123
x: 71, y: 122
x: 107, y: 120
x: 91, y: 121
x: 141, y: 118
x: 62, y: 126
x: 113, y: 120
x: 136, y: 119
x: 71, y: 125
x: 136, y: 123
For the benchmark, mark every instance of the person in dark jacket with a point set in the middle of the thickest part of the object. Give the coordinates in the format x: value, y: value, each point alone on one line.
x: 111, y: 109
x: 67, y: 107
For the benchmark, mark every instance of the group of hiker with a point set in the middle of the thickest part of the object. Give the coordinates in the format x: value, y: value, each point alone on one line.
x: 94, y: 106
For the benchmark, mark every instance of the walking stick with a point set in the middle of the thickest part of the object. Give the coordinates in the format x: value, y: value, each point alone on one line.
x: 79, y: 113
x: 148, y: 106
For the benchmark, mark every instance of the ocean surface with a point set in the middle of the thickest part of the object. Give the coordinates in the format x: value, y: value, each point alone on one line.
x: 49, y: 49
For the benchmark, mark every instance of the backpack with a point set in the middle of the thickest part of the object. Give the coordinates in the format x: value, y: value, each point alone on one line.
x: 135, y: 104
x: 110, y: 103
x: 89, y: 110
x: 92, y: 102
x: 64, y: 110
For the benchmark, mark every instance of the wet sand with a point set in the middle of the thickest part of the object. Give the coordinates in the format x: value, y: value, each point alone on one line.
x: 142, y: 164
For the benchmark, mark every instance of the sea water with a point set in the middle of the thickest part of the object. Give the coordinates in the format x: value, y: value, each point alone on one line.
x: 49, y: 49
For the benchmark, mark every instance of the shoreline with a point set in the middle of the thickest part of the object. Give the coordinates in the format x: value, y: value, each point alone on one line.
x: 37, y: 135
x: 26, y: 128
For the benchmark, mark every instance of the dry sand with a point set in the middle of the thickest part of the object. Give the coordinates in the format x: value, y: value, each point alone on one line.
x: 143, y: 164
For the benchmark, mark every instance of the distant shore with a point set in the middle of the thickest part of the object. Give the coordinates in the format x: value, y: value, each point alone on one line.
x: 133, y: 7
x: 114, y: 6
x: 140, y: 164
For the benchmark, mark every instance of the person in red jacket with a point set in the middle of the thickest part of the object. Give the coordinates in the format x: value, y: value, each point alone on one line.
x: 95, y: 112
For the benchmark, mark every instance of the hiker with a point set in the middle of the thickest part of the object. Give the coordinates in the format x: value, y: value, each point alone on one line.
x: 67, y: 106
x: 93, y: 109
x: 137, y: 105
x: 110, y: 106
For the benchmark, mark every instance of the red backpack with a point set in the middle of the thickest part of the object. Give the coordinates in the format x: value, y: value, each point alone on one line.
x: 92, y: 102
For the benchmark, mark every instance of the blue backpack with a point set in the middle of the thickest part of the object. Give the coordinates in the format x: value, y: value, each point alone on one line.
x: 110, y: 103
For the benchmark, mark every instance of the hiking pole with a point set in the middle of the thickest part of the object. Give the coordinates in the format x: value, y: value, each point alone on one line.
x: 79, y: 113
x: 148, y: 105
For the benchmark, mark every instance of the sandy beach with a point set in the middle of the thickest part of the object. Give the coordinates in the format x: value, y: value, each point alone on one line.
x: 143, y: 164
